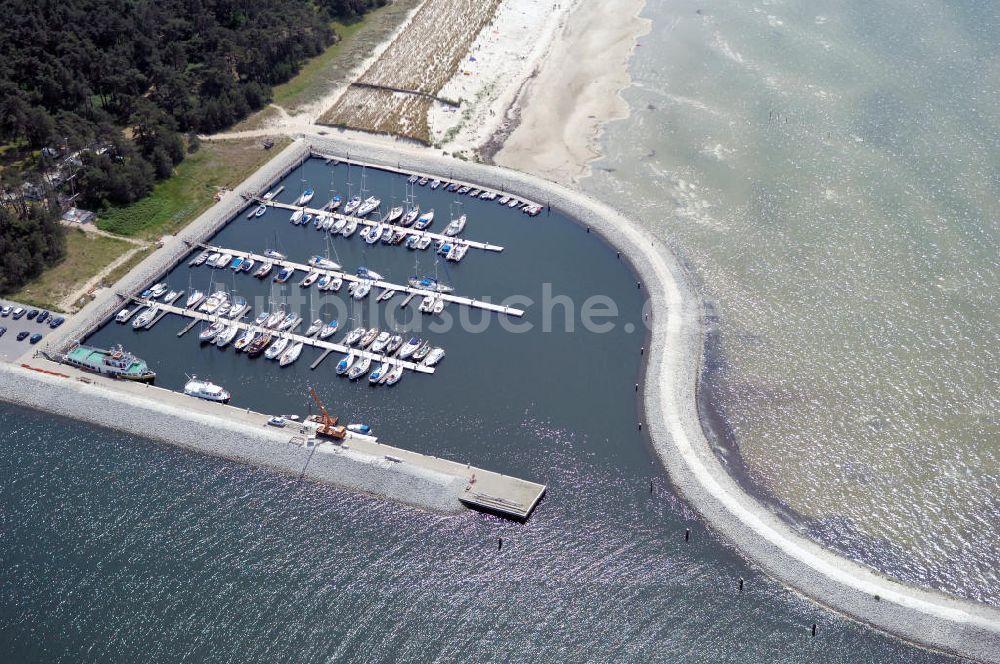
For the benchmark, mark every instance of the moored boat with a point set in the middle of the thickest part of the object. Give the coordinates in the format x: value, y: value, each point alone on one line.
x: 290, y: 322
x: 361, y: 289
x: 421, y: 352
x: 455, y: 226
x: 315, y: 327
x: 263, y: 270
x: 429, y: 283
x: 354, y: 336
x: 410, y: 347
x: 394, y: 214
x: 309, y: 279
x: 345, y: 364
x: 145, y: 318
x: 245, y: 339
x: 435, y: 183
x: 352, y: 205
x: 349, y: 228
x: 226, y: 336
x: 212, y: 331
x: 194, y: 299
x: 379, y: 344
x: 359, y: 428
x: 394, y: 375
x: 115, y: 362
x: 368, y: 206
x: 410, y: 216
x: 204, y: 389
x: 359, y: 368
x: 395, y: 341
x: 306, y: 196
x: 291, y: 354
x: 260, y: 211
x: 328, y: 330
x: 277, y: 348
x: 381, y: 371
x: 124, y: 315
x: 284, y: 275
x: 368, y: 338
x: 296, y: 217
x: 255, y: 347
x: 433, y: 357
x: 424, y: 221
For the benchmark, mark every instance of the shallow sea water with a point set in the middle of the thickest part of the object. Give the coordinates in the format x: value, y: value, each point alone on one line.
x: 829, y: 173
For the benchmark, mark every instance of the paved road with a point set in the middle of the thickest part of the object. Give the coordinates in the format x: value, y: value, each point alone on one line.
x: 10, y: 347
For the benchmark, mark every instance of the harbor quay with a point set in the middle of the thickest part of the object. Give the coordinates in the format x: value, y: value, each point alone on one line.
x: 673, y: 355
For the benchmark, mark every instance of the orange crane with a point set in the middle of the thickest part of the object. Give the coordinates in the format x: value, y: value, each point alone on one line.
x: 327, y: 424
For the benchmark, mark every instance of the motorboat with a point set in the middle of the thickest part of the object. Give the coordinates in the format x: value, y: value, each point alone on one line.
x: 438, y: 305
x: 380, y: 342
x: 411, y: 242
x: 263, y: 270
x: 368, y: 206
x: 223, y: 309
x: 474, y: 193
x: 236, y: 264
x: 323, y: 282
x: 394, y: 375
x: 333, y: 204
x: 285, y: 274
x: 368, y: 338
x: 354, y: 336
x: 435, y: 183
x: 309, y: 280
x: 386, y: 295
x: 261, y: 211
x: 334, y: 284
x: 223, y: 261
x: 425, y: 220
x: 248, y: 265
x: 463, y: 190
x: 307, y: 219
x: 345, y: 364
x: 410, y: 347
x: 296, y: 217
x: 365, y: 273
x: 349, y: 228
x: 452, y: 187
x: 381, y: 371
x: 359, y: 428
x: 455, y: 226
x: 271, y: 253
x: 328, y: 329
x: 123, y: 315
x: 212, y: 258
x: 444, y: 247
x: 433, y: 357
x: 374, y: 233
x: 352, y: 205
x: 261, y: 318
x: 422, y: 181
x: 394, y: 214
x: 361, y: 290
x: 359, y: 368
x: 277, y: 348
x: 199, y: 259
x: 504, y: 200
x: 275, y: 319
x: 239, y: 308
x: 427, y: 304
x: 338, y: 226
x: 315, y: 327
x: 224, y: 338
x: 204, y: 389
x: 291, y: 354
x: 212, y: 331
x: 413, y: 179
x: 395, y: 341
x: 245, y: 340
x: 484, y: 195
x: 410, y: 216
x: 156, y: 291
x: 306, y: 196
x: 424, y: 242
x: 420, y: 353
x: 290, y: 322
x: 513, y: 203
x: 387, y: 235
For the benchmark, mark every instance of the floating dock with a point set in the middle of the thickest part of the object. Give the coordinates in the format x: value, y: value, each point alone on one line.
x: 308, y: 341
x: 472, y: 244
x: 346, y: 276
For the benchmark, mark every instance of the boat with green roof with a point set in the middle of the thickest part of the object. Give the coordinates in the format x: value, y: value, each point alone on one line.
x: 113, y: 362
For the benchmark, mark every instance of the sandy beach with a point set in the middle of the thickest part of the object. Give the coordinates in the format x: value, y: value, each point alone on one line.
x: 558, y: 116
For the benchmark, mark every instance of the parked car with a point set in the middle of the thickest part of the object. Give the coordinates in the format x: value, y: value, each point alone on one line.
x: 22, y: 335
x: 19, y: 313
x: 32, y: 314
x: 42, y: 316
x: 5, y: 311
x: 3, y: 330
x: 36, y: 337
x: 56, y: 321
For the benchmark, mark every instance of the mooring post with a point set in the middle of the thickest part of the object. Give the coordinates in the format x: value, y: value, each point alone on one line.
x: 741, y: 584
x: 499, y: 544
x: 687, y: 534
x: 637, y: 387
x: 650, y: 487
x: 814, y: 629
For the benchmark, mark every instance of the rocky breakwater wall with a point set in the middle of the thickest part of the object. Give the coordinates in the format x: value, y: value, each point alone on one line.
x: 166, y: 416
x: 673, y: 363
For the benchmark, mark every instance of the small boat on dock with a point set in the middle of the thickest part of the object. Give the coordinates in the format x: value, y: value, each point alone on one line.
x: 328, y: 330
x: 306, y: 196
x: 315, y: 327
x: 239, y: 308
x: 380, y: 373
x: 504, y: 200
x: 212, y: 331
x: 333, y: 204
x: 380, y: 342
x: 513, y: 203
x: 277, y: 348
x: 394, y: 375
x: 338, y: 226
x: 373, y: 235
x: 463, y: 190
x: 411, y: 242
x: 413, y: 179
x: 145, y: 318
x: 410, y: 217
x: 354, y: 336
x: 260, y: 211
x: 474, y: 193
x: 422, y: 181
x: 263, y: 270
x: 427, y: 304
x: 368, y: 338
x: 455, y: 226
x: 223, y: 261
x: 291, y: 354
x: 204, y: 389
x: 214, y: 302
x: 433, y: 357
x: 345, y: 364
x: 236, y: 264
x: 275, y: 319
x: 307, y: 219
x: 387, y: 234
x: 359, y: 368
x: 368, y: 206
x: 410, y: 347
x: 194, y: 299
x: 424, y: 221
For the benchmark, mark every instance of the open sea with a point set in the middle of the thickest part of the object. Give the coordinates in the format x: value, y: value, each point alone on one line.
x: 829, y: 172
x: 118, y: 549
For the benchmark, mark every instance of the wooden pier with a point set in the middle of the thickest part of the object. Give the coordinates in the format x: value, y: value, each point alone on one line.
x: 346, y: 276
x: 472, y: 244
x: 291, y: 336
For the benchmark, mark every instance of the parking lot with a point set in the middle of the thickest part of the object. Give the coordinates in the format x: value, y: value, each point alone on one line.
x: 10, y: 347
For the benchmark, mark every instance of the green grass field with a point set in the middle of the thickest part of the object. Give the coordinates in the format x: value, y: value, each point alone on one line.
x: 190, y: 190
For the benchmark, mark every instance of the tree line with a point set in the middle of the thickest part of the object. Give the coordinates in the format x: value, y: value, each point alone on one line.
x: 115, y: 85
